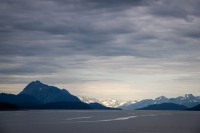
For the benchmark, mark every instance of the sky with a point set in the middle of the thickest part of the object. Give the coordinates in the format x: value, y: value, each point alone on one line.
x: 122, y: 49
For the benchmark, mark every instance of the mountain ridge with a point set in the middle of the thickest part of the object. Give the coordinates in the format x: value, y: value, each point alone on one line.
x: 164, y: 106
x: 113, y: 103
x: 195, y: 108
x: 37, y: 95
x: 187, y: 100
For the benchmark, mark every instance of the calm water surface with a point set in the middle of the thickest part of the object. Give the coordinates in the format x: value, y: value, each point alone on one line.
x: 65, y: 121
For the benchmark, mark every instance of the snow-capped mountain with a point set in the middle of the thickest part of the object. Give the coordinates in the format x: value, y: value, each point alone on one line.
x: 88, y: 100
x: 161, y: 99
x: 116, y: 103
x: 109, y: 103
x: 187, y: 100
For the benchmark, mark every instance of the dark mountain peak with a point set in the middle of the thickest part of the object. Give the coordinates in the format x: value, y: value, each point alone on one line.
x: 37, y: 82
x: 65, y: 91
x: 39, y: 87
x: 46, y: 93
x: 34, y: 85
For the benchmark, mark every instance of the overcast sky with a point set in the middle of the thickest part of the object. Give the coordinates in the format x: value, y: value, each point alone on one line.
x: 125, y: 49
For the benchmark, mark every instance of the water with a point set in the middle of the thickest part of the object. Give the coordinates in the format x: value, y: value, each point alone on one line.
x: 70, y: 121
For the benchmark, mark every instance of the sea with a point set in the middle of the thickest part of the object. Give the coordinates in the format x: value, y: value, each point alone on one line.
x: 99, y: 121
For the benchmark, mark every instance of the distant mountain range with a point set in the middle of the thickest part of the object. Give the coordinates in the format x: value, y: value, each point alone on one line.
x: 37, y: 95
x: 170, y: 106
x: 164, y: 106
x: 113, y: 103
x: 188, y: 100
x: 195, y: 108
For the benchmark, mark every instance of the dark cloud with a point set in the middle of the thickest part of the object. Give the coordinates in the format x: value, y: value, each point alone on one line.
x: 175, y: 8
x: 50, y: 36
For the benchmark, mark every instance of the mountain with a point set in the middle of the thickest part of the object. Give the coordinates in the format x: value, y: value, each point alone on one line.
x: 161, y: 99
x: 8, y: 106
x: 113, y: 103
x: 22, y: 101
x: 139, y: 104
x: 37, y: 95
x: 195, y: 108
x: 188, y: 100
x: 164, y: 106
x: 47, y: 94
x: 88, y: 99
x: 18, y: 99
x: 51, y: 97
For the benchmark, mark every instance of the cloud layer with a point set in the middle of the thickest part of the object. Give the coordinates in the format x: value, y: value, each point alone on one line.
x: 84, y: 43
